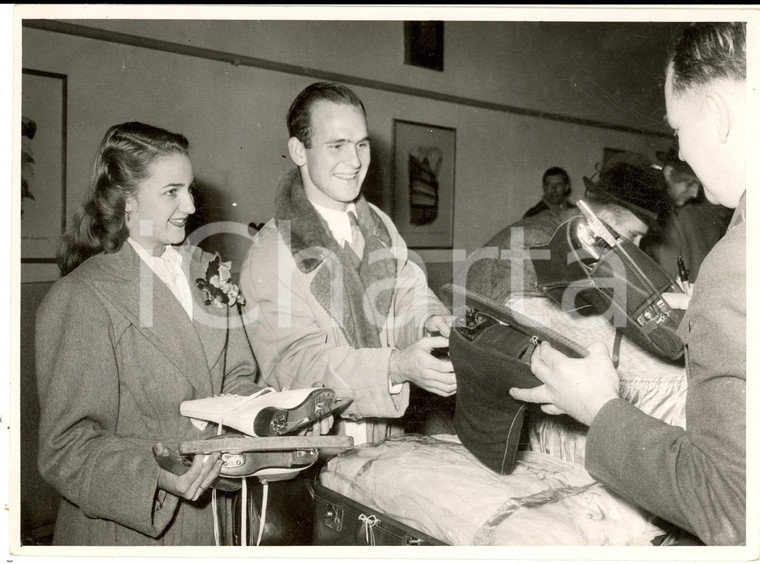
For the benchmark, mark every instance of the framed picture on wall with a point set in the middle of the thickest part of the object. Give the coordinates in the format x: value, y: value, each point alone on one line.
x: 423, y: 184
x: 43, y: 164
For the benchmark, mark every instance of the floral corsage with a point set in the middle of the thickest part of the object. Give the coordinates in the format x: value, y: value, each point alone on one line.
x: 217, y: 286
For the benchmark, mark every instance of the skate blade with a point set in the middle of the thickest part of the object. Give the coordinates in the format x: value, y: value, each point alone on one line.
x: 276, y: 421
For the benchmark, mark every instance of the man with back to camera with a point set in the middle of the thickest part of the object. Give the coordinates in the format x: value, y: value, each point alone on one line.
x: 557, y: 187
x: 694, y: 477
x: 336, y: 298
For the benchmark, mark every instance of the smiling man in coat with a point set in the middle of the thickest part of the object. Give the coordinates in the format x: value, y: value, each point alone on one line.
x: 334, y: 294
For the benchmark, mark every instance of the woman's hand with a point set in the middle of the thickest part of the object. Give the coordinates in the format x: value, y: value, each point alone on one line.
x: 202, y: 473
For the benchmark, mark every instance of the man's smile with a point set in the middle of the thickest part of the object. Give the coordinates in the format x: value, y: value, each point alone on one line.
x: 346, y: 175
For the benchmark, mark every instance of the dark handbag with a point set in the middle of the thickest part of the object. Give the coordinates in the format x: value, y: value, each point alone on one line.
x: 490, y: 347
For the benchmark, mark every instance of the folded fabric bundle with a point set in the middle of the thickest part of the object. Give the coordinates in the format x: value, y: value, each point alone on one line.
x: 437, y: 486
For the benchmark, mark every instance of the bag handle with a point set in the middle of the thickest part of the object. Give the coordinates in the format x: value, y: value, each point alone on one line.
x: 456, y: 297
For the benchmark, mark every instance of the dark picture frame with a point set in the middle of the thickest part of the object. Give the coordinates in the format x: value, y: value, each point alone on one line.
x: 424, y: 165
x: 423, y: 44
x: 43, y: 164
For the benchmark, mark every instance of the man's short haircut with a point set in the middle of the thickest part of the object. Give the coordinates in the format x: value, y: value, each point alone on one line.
x: 556, y: 171
x: 707, y: 52
x: 299, y: 114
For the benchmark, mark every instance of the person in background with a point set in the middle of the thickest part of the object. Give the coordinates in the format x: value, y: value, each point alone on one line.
x: 694, y: 477
x: 692, y: 226
x: 628, y: 196
x: 333, y: 293
x: 557, y: 187
x: 683, y: 184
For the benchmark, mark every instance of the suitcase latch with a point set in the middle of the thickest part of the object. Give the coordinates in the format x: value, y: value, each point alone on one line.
x: 333, y: 517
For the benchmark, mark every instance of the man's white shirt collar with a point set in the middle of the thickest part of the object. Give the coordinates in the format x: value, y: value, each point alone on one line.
x: 340, y: 227
x: 337, y: 221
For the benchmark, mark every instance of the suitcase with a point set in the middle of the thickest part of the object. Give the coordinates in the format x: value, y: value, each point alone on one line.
x: 340, y: 521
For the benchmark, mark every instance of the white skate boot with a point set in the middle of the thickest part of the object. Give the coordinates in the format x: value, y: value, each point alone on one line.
x: 266, y: 413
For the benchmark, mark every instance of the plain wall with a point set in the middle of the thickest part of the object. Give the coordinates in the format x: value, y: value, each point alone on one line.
x: 234, y: 115
x: 606, y: 71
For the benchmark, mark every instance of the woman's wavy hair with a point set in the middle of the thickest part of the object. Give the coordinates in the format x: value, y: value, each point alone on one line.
x: 123, y: 161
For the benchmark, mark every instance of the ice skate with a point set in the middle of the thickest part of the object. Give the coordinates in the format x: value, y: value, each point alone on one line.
x: 267, y: 413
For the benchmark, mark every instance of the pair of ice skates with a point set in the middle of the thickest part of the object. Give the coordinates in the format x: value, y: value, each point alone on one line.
x: 264, y: 445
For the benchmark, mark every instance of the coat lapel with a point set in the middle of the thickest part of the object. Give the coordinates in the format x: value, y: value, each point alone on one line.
x: 151, y: 307
x: 313, y: 247
x: 378, y: 264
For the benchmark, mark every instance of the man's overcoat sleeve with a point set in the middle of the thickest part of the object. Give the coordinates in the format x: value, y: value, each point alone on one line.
x: 694, y: 477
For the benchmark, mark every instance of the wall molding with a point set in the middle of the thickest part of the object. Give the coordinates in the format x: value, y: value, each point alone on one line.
x: 242, y: 60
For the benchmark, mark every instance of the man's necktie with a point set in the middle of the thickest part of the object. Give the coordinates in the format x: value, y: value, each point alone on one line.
x: 357, y: 239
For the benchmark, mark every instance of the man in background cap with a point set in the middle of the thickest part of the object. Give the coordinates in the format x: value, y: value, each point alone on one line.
x: 628, y: 196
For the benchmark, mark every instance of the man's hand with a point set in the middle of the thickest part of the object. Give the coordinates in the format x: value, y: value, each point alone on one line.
x: 439, y: 324
x: 686, y: 286
x: 202, y: 473
x: 578, y: 387
x: 416, y: 364
x: 677, y: 300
